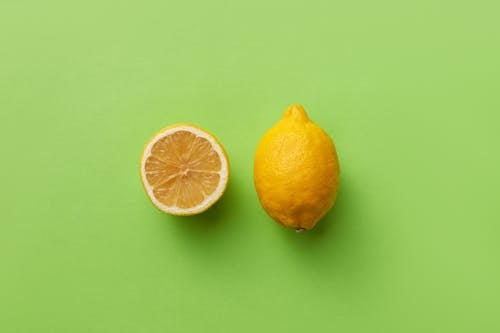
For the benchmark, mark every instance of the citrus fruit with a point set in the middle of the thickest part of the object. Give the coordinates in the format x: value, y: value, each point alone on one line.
x: 184, y: 170
x: 296, y: 171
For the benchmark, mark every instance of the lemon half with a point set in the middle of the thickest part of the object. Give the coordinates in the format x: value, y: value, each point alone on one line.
x: 184, y: 170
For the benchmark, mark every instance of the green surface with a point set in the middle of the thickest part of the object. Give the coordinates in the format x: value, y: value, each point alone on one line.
x: 409, y: 90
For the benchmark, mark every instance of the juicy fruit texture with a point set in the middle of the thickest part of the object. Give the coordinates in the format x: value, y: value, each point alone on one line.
x: 184, y: 170
x: 296, y: 171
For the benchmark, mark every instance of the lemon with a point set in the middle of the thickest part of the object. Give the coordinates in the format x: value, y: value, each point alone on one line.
x: 296, y: 171
x: 184, y: 170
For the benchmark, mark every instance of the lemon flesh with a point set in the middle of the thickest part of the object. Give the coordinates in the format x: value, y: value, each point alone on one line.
x: 296, y: 171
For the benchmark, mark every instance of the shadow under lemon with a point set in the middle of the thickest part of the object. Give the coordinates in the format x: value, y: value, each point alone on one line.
x: 341, y: 247
x: 335, y: 231
x: 214, y: 220
x: 347, y: 251
x: 203, y: 241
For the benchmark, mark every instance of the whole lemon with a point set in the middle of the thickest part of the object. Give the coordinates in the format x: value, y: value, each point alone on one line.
x: 296, y: 171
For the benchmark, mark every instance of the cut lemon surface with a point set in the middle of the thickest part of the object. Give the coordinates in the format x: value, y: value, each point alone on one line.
x: 184, y: 170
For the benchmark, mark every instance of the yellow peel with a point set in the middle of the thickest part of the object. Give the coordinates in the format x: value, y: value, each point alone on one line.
x: 296, y: 171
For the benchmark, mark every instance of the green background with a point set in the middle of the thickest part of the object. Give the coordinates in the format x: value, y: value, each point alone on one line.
x: 409, y: 90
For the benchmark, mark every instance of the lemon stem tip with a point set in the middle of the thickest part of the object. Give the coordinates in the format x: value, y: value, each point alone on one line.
x: 297, y: 112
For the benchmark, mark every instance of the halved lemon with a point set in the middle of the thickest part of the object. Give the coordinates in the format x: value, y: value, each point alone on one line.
x: 184, y: 170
